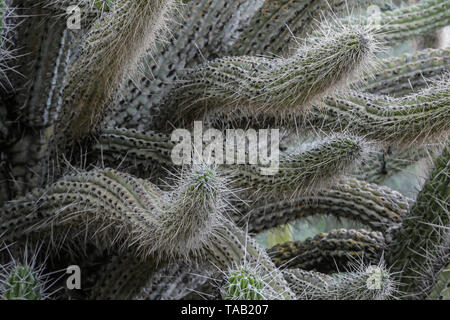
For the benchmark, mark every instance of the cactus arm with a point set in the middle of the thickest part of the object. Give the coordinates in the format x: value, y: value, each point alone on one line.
x: 129, y: 212
x: 416, y: 118
x: 111, y: 48
x: 378, y: 207
x: 408, y: 73
x: 197, y: 35
x: 317, y: 166
x: 277, y: 85
x: 352, y: 285
x: 407, y: 22
x: 329, y: 251
x: 420, y: 238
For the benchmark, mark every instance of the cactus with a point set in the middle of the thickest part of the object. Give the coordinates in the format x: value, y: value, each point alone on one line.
x: 362, y: 282
x: 420, y: 239
x: 378, y: 207
x: 87, y: 168
x: 407, y: 73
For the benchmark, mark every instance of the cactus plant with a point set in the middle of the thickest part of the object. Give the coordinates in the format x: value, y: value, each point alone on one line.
x: 88, y: 145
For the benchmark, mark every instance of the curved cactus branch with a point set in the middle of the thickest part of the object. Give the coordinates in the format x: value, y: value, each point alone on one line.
x: 417, y: 118
x: 376, y: 206
x: 118, y: 210
x: 111, y: 48
x: 373, y: 282
x: 408, y: 73
x: 331, y: 251
x: 315, y: 167
x: 260, y: 85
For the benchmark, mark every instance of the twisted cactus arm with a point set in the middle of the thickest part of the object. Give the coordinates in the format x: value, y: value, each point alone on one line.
x: 120, y: 209
x: 268, y: 86
x: 111, y: 49
x: 378, y: 207
x: 329, y: 251
x: 316, y: 165
x: 229, y: 248
x: 304, y: 171
x: 408, y: 73
x: 416, y: 118
x: 362, y: 283
x: 423, y: 231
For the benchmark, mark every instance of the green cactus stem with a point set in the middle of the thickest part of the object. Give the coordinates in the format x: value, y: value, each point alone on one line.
x: 242, y: 284
x: 22, y: 283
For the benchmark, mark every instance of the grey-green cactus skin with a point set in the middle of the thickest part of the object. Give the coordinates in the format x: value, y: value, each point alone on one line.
x: 76, y: 103
x: 422, y: 240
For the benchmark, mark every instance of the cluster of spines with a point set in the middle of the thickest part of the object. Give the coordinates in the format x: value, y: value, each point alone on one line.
x: 361, y: 282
